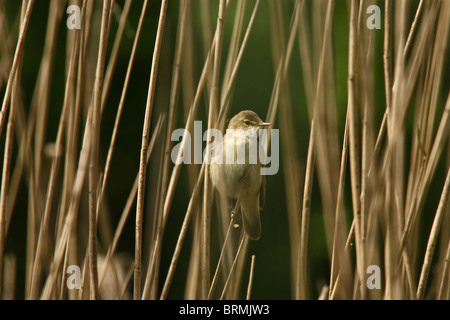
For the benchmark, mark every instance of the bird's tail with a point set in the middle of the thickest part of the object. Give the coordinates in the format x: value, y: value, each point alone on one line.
x: 250, y: 218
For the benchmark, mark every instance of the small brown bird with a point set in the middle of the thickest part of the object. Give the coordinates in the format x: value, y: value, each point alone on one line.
x: 239, y: 177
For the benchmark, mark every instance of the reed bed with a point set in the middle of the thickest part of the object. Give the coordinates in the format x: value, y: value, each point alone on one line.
x: 358, y: 209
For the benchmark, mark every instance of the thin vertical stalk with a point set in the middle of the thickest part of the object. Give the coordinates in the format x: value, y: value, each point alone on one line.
x: 17, y: 56
x: 445, y: 276
x: 227, y: 282
x: 126, y: 210
x: 341, y: 260
x: 15, y: 77
x: 315, y: 149
x: 306, y: 210
x: 226, y: 95
x: 433, y: 237
x: 143, y: 157
x: 234, y: 42
x: 250, y: 278
x: 121, y: 104
x: 413, y: 28
x: 212, y: 115
x: 56, y: 162
x: 115, y: 51
x: 219, y: 263
x: 152, y: 276
x: 354, y: 140
x: 174, y: 177
x: 95, y: 138
x: 424, y: 184
x: 6, y: 171
x: 187, y: 218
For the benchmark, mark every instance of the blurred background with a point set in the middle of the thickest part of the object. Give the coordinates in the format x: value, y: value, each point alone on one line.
x: 276, y: 261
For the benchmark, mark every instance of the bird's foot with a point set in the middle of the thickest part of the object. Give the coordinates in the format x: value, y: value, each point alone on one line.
x: 236, y: 216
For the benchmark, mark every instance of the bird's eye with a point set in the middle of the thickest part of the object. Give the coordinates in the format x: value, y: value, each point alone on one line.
x: 247, y: 123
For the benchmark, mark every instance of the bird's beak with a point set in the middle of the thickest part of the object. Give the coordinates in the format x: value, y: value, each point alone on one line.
x: 264, y: 124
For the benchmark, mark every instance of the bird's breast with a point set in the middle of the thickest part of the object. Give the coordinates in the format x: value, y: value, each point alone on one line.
x: 232, y: 167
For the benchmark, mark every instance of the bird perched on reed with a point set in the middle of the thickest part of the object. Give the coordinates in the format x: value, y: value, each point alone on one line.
x: 235, y: 175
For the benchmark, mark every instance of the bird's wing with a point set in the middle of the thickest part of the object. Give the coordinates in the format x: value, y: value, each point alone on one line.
x: 262, y: 190
x: 262, y: 193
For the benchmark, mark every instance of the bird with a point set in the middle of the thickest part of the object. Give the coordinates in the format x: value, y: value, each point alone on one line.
x: 237, y: 178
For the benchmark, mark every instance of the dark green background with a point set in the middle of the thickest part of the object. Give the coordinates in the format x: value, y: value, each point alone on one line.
x: 272, y: 278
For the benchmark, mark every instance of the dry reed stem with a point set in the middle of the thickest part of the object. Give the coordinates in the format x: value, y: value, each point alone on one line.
x: 192, y: 113
x: 315, y: 149
x: 6, y: 170
x: 340, y: 250
x: 68, y: 227
x: 429, y: 171
x: 143, y: 157
x: 281, y: 54
x: 367, y: 141
x: 175, y: 175
x: 107, y: 84
x: 432, y: 238
x: 306, y: 210
x: 115, y: 50
x: 395, y: 191
x: 7, y: 158
x: 236, y: 35
x: 194, y: 198
x: 64, y: 277
x: 17, y: 56
x: 212, y: 115
x: 235, y: 210
x: 151, y: 281
x: 93, y: 166
x: 305, y: 59
x: 7, y: 203
x: 182, y: 34
x: 220, y: 261
x: 250, y: 280
x: 354, y: 143
x: 37, y: 124
x: 227, y: 282
x: 119, y: 115
x: 413, y: 28
x: 176, y: 170
x: 37, y: 264
x: 70, y: 219
x: 127, y: 209
x: 232, y: 80
x: 175, y: 85
x: 126, y: 282
x: 445, y: 276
